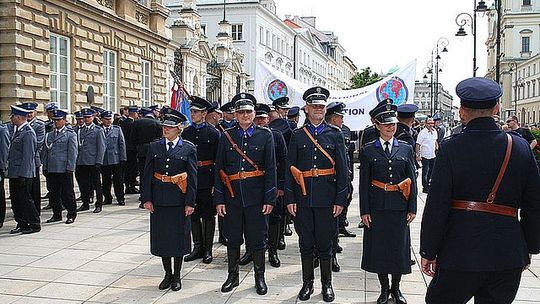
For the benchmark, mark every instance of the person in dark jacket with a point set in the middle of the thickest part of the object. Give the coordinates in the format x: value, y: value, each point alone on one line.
x: 115, y: 157
x: 472, y: 241
x: 317, y: 192
x: 203, y: 221
x: 169, y: 187
x: 130, y: 168
x: 245, y: 189
x: 4, y: 153
x: 387, y: 203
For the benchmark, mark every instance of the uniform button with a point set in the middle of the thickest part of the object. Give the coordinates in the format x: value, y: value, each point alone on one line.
x: 245, y: 144
x: 244, y: 151
x: 389, y: 168
x: 315, y: 149
x: 315, y: 166
x: 168, y: 159
x: 389, y: 161
x: 374, y: 159
x: 166, y: 173
x: 167, y: 166
x: 390, y: 176
x: 243, y: 160
x: 314, y: 157
x: 242, y: 169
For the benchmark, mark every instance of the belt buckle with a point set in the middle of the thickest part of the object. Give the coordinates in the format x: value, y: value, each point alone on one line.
x: 163, y: 178
x: 242, y: 175
x: 315, y: 172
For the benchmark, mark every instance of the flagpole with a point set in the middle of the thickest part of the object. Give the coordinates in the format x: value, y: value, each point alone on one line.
x: 180, y: 83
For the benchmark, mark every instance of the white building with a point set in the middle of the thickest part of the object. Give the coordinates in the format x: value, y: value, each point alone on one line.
x: 432, y: 100
x: 520, y: 40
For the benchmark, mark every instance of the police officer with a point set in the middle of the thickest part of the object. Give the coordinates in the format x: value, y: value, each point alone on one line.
x: 49, y: 126
x: 21, y: 172
x: 245, y: 189
x: 472, y: 241
x: 316, y: 188
x: 441, y: 130
x: 169, y: 186
x: 130, y: 168
x: 275, y: 231
x: 59, y: 161
x: 79, y: 121
x: 90, y: 159
x: 206, y: 139
x: 227, y: 122
x: 38, y: 126
x: 113, y: 160
x: 387, y: 203
x: 293, y: 115
x: 4, y: 153
x: 144, y: 131
x: 213, y: 114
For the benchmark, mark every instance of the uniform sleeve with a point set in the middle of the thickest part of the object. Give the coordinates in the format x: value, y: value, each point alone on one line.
x: 100, y: 143
x: 437, y: 210
x: 29, y: 149
x: 291, y: 161
x: 342, y: 172
x: 44, y: 155
x: 73, y: 151
x: 122, y: 146
x: 281, y: 155
x: 364, y: 184
x: 40, y: 135
x: 411, y: 172
x: 146, y: 177
x: 4, y: 148
x: 270, y: 193
x: 192, y: 178
x: 530, y: 207
x: 219, y: 188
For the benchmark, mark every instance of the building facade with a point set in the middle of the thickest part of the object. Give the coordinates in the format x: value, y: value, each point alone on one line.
x: 519, y: 43
x: 53, y: 51
x: 434, y: 99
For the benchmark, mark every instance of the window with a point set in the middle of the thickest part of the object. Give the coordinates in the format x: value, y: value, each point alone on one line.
x: 59, y: 56
x: 237, y: 32
x: 203, y: 29
x: 261, y: 35
x: 146, y: 72
x: 525, y: 44
x: 526, y: 2
x: 109, y: 80
x: 267, y: 38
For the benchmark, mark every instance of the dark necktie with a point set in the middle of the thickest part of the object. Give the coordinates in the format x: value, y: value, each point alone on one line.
x: 386, y: 148
x: 170, y: 144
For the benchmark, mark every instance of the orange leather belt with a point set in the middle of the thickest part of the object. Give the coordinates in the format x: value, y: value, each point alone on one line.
x: 385, y: 186
x: 204, y: 163
x: 485, y: 207
x: 316, y: 172
x: 180, y: 180
x: 245, y: 174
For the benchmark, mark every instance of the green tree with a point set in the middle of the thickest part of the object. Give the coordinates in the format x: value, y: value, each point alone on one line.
x: 364, y: 78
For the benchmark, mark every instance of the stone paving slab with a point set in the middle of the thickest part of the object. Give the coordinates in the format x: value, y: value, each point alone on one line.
x: 104, y: 258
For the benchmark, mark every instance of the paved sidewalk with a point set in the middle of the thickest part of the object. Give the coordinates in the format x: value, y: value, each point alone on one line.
x: 104, y: 258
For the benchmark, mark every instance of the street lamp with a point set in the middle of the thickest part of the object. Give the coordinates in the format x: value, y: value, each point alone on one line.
x: 466, y: 19
x: 440, y: 47
x: 429, y: 70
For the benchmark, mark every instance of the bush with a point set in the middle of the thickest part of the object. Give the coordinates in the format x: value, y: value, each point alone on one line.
x: 536, y: 149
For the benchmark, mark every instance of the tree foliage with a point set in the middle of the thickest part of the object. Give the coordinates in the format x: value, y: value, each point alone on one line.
x: 364, y: 78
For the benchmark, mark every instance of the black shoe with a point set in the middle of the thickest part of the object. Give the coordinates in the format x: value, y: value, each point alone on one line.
x: 176, y: 284
x: 121, y: 203
x: 339, y: 249
x: 273, y: 258
x: 281, y: 245
x: 335, y: 265
x: 327, y: 292
x: 222, y: 240
x: 413, y: 262
x: 326, y: 281
x: 383, y: 298
x: 398, y: 297
x: 167, y: 281
x: 231, y: 282
x: 70, y: 221
x: 307, y: 278
x: 54, y: 219
x: 47, y: 207
x: 260, y: 284
x: 197, y: 253
x: 207, y: 257
x: 97, y: 210
x: 306, y: 291
x: 259, y: 267
x: 346, y: 233
x: 16, y: 230
x: 287, y: 231
x: 233, y: 254
x: 30, y: 230
x: 209, y: 227
x: 346, y: 223
x: 83, y: 207
x: 245, y: 259
x: 361, y: 225
x: 107, y: 201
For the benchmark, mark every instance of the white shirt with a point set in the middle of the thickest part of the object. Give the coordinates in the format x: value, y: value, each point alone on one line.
x: 390, y: 143
x: 427, y: 140
x: 175, y: 142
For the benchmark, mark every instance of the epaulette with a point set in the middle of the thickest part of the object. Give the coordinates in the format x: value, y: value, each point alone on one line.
x: 334, y: 127
x: 263, y: 128
x: 371, y: 143
x: 188, y: 142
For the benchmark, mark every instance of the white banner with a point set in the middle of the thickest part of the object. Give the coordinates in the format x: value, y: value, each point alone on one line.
x: 271, y: 84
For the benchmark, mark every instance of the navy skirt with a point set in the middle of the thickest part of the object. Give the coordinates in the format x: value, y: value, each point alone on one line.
x: 170, y: 232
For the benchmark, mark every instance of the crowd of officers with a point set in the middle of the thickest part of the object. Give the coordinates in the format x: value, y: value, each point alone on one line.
x: 257, y: 168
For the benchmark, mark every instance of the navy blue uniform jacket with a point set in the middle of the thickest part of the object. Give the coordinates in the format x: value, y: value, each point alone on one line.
x: 466, y: 168
x: 206, y: 139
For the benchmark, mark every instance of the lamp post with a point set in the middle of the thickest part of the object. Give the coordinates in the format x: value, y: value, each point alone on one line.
x: 429, y: 70
x: 466, y: 19
x: 440, y: 47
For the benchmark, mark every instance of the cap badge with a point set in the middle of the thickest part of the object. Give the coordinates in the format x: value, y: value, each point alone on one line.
x: 318, y: 90
x: 242, y: 95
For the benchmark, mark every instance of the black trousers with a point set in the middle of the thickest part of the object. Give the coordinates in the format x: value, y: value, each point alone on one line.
x: 454, y: 286
x: 22, y: 204
x: 112, y: 174
x: 249, y: 222
x: 36, y: 191
x: 88, y: 181
x: 316, y: 228
x: 204, y: 206
x: 2, y: 199
x: 130, y: 168
x: 61, y: 192
x: 427, y: 168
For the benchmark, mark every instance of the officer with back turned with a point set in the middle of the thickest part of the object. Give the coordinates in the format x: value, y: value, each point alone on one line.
x: 245, y: 189
x: 472, y: 240
x: 203, y: 220
x: 316, y: 188
x: 130, y: 168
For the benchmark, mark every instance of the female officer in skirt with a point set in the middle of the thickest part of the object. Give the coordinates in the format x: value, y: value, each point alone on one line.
x: 387, y: 203
x: 169, y: 185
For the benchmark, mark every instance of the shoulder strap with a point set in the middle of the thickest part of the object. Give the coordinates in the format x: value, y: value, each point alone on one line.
x: 493, y: 192
x: 235, y: 146
x: 319, y: 146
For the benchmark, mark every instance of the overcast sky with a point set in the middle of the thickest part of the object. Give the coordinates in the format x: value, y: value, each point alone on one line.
x: 384, y: 34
